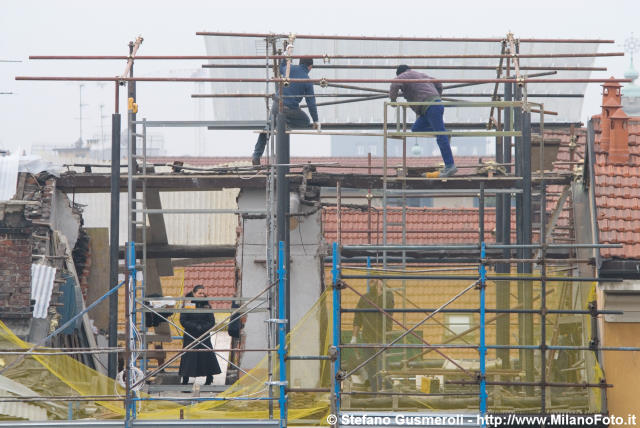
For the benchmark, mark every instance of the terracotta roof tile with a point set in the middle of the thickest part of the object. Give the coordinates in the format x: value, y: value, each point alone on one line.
x: 218, y: 278
x: 617, y: 189
x: 424, y: 225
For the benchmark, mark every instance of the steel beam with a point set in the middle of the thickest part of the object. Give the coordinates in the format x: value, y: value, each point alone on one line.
x: 160, y: 251
x: 100, y: 183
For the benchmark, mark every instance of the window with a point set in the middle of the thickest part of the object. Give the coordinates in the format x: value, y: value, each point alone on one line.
x: 457, y: 324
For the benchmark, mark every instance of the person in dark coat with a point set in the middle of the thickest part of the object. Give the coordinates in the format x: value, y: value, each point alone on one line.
x: 193, y: 364
x: 369, y: 328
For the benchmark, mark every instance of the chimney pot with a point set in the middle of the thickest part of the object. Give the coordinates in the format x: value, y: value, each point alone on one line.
x: 611, y: 100
x: 619, y: 144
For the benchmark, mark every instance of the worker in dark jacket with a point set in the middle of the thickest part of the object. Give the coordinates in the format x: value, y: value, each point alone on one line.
x: 193, y: 364
x: 371, y: 328
x: 293, y: 94
x: 430, y: 118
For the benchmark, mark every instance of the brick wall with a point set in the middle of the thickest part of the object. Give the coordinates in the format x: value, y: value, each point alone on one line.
x: 15, y: 263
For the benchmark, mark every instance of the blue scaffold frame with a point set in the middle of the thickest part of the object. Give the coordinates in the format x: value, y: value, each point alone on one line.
x: 282, y: 334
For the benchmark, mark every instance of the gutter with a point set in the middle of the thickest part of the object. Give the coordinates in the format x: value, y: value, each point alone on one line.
x: 589, y: 164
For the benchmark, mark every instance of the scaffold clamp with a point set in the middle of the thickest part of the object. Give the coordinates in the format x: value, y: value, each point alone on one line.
x: 340, y: 284
x: 333, y: 352
x: 276, y: 321
x: 593, y: 309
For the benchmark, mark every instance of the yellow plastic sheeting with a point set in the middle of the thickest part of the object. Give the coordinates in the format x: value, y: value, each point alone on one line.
x: 61, y: 375
x: 400, y: 366
x: 43, y: 374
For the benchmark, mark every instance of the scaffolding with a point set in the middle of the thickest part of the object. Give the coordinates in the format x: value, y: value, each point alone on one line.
x: 499, y: 262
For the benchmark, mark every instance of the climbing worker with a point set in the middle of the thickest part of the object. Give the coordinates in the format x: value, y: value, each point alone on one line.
x: 429, y: 117
x: 293, y: 94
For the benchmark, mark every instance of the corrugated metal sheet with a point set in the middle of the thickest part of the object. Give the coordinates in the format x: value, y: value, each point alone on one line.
x: 8, y: 176
x: 23, y: 411
x: 201, y: 229
x: 30, y: 412
x: 182, y: 229
x: 41, y: 285
x: 569, y: 109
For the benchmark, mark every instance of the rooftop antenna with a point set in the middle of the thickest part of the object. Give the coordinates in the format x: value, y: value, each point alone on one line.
x: 103, y: 155
x: 8, y: 60
x: 631, y: 45
x: 80, y: 141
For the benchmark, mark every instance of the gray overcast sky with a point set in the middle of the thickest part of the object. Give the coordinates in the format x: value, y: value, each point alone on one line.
x: 40, y: 113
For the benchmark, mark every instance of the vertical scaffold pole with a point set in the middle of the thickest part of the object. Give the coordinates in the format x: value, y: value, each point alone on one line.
x: 482, y: 349
x: 282, y: 334
x: 112, y: 367
x: 130, y: 404
x: 543, y: 295
x: 368, y: 272
x: 335, y: 273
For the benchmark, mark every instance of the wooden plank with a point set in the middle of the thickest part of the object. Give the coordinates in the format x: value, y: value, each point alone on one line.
x: 99, y: 275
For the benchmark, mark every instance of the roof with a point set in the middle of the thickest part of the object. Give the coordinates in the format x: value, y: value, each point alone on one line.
x: 617, y: 191
x: 218, y: 278
x: 424, y: 225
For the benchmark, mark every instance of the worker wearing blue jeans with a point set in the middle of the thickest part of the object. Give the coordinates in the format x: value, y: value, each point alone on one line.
x: 432, y: 121
x: 429, y: 117
x: 293, y: 114
x: 294, y: 117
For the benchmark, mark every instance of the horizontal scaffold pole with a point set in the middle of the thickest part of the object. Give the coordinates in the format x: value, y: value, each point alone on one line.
x: 453, y: 94
x: 415, y: 67
x: 472, y: 278
x: 399, y: 135
x: 321, y: 81
x: 396, y: 38
x: 476, y: 310
x: 323, y: 56
x: 469, y: 247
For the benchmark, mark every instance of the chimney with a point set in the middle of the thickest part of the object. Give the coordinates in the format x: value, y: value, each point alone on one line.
x: 609, y: 107
x: 611, y: 101
x: 619, y: 135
